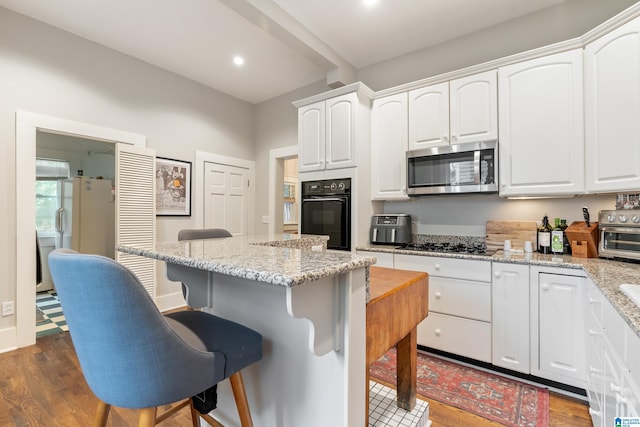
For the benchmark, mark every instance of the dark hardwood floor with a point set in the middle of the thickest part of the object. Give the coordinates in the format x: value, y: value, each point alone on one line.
x: 42, y: 385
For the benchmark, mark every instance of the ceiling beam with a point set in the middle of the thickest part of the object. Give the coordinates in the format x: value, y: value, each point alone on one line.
x: 274, y: 20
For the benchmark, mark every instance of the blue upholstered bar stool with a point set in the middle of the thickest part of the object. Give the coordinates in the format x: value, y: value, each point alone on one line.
x: 134, y: 357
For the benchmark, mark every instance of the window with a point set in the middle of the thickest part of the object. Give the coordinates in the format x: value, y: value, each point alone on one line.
x: 48, y: 173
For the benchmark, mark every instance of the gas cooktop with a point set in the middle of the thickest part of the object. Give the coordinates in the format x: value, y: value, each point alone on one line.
x: 459, y: 248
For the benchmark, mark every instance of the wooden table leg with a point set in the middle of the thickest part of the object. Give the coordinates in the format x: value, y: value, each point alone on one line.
x: 366, y: 418
x: 406, y: 365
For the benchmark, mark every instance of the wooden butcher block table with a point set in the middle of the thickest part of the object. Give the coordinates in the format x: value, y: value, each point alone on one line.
x: 399, y: 301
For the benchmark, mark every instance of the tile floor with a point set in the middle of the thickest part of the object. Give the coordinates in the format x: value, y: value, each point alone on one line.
x: 49, y: 316
x: 384, y: 411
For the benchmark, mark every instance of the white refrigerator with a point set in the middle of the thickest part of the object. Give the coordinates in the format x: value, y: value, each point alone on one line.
x: 85, y: 221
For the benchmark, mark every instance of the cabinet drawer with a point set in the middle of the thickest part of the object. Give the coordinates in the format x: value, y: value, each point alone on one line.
x: 464, y: 337
x: 463, y: 298
x: 383, y: 259
x: 454, y: 268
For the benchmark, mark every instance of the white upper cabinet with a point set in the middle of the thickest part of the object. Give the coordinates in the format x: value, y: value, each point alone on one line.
x: 612, y: 110
x: 326, y: 133
x: 541, y: 149
x: 311, y: 125
x: 474, y: 108
x: 389, y: 143
x: 429, y: 116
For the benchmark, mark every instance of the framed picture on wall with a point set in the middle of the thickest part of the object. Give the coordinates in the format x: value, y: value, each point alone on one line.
x: 173, y: 187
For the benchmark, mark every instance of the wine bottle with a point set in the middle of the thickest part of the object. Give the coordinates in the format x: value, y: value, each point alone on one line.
x: 566, y: 245
x: 544, y: 236
x: 557, y: 238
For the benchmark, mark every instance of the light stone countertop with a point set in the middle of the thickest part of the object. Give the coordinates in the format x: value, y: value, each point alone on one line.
x: 285, y: 259
x: 608, y: 275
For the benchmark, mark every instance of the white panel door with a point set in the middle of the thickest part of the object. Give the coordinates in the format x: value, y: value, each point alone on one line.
x: 474, y: 108
x: 541, y: 126
x: 612, y: 109
x: 429, y: 116
x: 226, y: 195
x: 389, y: 144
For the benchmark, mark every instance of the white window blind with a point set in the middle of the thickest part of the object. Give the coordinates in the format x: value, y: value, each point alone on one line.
x: 50, y: 169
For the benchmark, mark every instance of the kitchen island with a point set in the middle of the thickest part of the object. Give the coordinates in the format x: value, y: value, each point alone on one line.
x: 308, y: 304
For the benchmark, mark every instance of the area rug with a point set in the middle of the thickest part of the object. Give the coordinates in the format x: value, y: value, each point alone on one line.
x: 503, y: 400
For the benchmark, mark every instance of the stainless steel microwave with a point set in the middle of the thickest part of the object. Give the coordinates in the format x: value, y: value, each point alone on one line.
x: 456, y: 169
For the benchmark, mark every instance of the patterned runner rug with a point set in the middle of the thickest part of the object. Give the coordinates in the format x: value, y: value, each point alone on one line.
x: 491, y: 396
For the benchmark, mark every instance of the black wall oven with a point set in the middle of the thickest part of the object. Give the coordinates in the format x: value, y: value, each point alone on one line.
x: 326, y: 210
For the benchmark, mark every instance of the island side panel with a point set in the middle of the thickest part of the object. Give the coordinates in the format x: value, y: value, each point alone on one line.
x: 291, y: 386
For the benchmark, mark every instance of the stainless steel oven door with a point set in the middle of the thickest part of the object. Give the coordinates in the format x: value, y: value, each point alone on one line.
x: 328, y: 216
x: 619, y: 242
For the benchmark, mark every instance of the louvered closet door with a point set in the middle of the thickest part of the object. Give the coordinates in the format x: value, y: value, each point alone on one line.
x: 135, y: 210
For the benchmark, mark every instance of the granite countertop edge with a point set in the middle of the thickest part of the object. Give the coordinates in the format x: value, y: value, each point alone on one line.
x: 607, y: 274
x: 349, y: 263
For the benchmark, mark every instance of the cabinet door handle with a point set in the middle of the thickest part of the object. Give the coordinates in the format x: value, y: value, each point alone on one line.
x: 593, y: 412
x: 445, y: 139
x: 497, y: 274
x: 437, y: 267
x: 593, y: 300
x: 614, y: 388
x: 594, y: 370
x: 438, y: 295
x: 438, y: 332
x: 545, y: 287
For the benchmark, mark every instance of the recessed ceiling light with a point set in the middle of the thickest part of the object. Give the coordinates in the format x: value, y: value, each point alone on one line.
x: 238, y: 60
x: 370, y: 2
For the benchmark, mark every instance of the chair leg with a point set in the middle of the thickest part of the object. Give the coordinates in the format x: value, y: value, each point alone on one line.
x: 147, y: 417
x: 102, y: 414
x: 237, y: 385
x: 194, y: 415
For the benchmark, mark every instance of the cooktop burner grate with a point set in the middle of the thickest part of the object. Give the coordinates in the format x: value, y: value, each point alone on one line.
x: 460, y: 248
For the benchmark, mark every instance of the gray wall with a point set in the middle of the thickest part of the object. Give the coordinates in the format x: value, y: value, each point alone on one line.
x: 47, y: 71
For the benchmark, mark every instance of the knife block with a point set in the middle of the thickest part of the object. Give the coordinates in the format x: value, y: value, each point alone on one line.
x: 583, y: 239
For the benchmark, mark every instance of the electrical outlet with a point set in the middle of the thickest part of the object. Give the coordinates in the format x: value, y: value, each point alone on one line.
x: 7, y: 308
x: 265, y: 219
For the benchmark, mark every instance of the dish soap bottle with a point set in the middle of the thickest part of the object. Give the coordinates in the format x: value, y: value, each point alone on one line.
x: 544, y: 236
x: 557, y: 238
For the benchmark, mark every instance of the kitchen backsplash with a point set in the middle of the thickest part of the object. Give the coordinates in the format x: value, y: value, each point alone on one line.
x: 467, y: 215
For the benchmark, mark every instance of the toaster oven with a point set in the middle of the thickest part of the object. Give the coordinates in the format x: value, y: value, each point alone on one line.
x: 619, y: 234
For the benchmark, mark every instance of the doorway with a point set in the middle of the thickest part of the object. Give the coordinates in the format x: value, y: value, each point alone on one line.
x: 284, y: 190
x: 27, y: 126
x: 75, y: 208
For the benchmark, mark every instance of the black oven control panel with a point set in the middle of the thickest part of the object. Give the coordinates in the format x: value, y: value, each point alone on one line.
x: 326, y: 187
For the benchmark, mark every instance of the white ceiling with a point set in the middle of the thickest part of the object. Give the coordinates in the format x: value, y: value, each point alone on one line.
x: 286, y: 44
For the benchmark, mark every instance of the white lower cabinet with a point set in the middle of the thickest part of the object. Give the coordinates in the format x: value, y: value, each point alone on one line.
x: 612, y: 367
x: 384, y: 259
x: 510, y: 322
x: 558, y: 325
x: 459, y: 319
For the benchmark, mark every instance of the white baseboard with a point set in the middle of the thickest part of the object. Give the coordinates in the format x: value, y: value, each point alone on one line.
x: 8, y: 339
